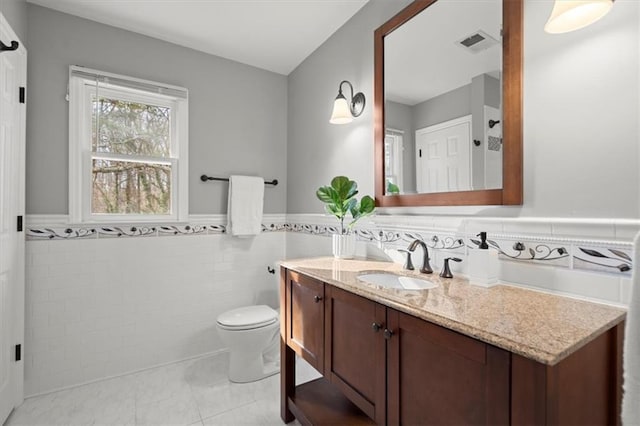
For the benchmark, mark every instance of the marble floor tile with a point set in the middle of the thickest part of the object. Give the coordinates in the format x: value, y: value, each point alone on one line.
x: 257, y: 413
x: 176, y: 410
x: 105, y: 402
x: 222, y: 396
x: 208, y: 370
x: 162, y: 383
x: 195, y: 392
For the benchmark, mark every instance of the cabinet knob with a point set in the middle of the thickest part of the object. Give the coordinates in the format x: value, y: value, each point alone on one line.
x: 317, y: 298
x: 376, y: 327
x: 387, y: 333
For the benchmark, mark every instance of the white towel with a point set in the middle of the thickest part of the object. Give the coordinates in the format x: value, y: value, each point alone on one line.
x: 631, y: 354
x: 244, y: 210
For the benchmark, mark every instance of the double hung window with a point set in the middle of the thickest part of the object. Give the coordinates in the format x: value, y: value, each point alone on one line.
x: 128, y: 148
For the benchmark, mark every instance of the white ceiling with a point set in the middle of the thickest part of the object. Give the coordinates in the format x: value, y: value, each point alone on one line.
x: 276, y: 35
x: 422, y: 58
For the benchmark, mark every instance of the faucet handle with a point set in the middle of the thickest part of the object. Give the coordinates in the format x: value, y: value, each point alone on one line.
x: 446, y: 272
x: 408, y: 264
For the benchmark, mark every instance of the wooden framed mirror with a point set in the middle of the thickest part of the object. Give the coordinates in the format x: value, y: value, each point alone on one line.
x: 453, y: 78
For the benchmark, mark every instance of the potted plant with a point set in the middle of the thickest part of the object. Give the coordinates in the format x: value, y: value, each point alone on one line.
x: 340, y: 200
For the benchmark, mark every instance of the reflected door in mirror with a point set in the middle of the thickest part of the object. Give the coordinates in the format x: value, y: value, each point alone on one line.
x: 443, y: 160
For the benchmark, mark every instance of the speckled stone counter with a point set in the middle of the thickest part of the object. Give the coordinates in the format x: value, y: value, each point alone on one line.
x: 543, y: 327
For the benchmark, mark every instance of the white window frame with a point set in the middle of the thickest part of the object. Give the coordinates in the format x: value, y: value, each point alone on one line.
x: 81, y: 153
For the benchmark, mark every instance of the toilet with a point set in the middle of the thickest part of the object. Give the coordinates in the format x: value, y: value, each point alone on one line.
x: 251, y: 333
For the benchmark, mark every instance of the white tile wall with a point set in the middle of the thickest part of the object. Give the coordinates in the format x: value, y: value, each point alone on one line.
x: 588, y: 285
x: 550, y: 276
x: 104, y: 307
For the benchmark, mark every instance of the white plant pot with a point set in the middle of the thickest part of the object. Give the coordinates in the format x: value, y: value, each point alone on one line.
x: 344, y: 246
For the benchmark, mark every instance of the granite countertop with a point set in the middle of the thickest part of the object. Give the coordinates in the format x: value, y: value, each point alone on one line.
x: 540, y: 326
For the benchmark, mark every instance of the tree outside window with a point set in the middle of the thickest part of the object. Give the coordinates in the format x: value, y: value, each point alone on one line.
x: 128, y: 149
x: 136, y: 130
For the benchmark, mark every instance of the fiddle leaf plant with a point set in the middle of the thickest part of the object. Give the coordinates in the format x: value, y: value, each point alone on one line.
x: 340, y: 199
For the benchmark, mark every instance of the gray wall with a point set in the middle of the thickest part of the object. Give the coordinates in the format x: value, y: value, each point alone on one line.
x: 15, y: 12
x: 453, y: 104
x: 237, y: 113
x: 581, y: 116
x: 317, y: 150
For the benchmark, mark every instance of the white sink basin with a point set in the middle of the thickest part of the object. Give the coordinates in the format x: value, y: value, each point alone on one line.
x: 397, y: 281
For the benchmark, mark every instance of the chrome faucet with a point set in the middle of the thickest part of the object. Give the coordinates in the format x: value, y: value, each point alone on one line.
x: 426, y: 267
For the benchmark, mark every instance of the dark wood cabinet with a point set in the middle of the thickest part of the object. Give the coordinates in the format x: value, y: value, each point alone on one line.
x: 305, y: 318
x: 440, y: 377
x: 585, y: 388
x: 355, y: 350
x: 383, y: 366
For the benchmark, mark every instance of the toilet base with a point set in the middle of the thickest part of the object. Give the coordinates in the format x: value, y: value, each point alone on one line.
x: 253, y: 352
x: 245, y: 368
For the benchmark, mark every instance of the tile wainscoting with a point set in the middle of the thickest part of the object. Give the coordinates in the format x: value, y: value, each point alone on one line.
x: 585, y: 258
x: 101, y: 306
x: 103, y: 301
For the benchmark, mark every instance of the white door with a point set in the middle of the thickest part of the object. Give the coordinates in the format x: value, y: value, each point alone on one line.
x: 443, y: 156
x: 12, y: 122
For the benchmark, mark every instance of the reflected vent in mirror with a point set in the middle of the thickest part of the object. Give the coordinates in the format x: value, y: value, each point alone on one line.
x: 477, y: 42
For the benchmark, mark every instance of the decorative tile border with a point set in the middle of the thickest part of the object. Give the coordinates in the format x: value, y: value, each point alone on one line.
x: 609, y: 256
x: 82, y: 232
x: 597, y: 258
x: 601, y: 256
x: 539, y: 252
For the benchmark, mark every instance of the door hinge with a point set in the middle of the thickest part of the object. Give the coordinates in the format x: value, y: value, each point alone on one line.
x: 18, y: 353
x: 22, y: 95
x: 20, y: 224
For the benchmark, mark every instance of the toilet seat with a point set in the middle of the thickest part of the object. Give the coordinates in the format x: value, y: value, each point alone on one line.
x: 247, y: 318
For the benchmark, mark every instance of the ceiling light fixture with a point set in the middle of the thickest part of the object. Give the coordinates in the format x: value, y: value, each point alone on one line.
x: 571, y: 15
x: 343, y: 111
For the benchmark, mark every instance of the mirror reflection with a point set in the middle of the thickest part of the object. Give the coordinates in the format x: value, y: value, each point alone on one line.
x: 443, y: 99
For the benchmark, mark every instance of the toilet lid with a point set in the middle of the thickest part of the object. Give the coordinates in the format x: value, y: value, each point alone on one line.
x: 248, y: 317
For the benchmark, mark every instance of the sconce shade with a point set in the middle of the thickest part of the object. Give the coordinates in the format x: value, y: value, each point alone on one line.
x: 341, y: 112
x: 571, y: 15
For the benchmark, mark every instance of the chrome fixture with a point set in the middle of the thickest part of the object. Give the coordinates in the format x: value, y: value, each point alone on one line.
x: 426, y: 267
x: 446, y: 272
x: 571, y: 15
x: 343, y: 111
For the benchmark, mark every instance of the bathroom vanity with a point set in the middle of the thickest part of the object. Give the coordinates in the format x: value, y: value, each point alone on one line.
x: 454, y: 354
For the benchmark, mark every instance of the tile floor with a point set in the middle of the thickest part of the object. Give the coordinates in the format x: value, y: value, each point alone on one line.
x: 195, y: 392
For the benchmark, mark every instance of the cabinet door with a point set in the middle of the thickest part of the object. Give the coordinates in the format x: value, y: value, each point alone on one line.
x: 438, y: 376
x: 355, y: 350
x: 305, y: 318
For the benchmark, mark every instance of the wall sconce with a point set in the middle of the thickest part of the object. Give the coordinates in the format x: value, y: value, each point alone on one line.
x: 343, y: 112
x: 571, y: 15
